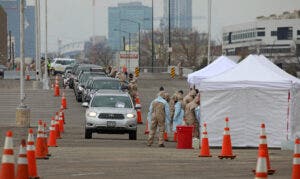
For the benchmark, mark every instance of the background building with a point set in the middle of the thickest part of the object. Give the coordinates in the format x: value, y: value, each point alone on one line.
x: 181, y: 14
x: 133, y: 11
x: 276, y: 36
x: 3, y: 36
x: 12, y: 9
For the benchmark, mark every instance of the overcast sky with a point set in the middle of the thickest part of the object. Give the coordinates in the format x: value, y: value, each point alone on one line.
x: 71, y: 20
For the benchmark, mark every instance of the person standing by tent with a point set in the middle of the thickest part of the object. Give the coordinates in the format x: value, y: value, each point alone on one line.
x: 178, y: 111
x: 158, y: 115
x: 190, y: 115
x: 189, y: 97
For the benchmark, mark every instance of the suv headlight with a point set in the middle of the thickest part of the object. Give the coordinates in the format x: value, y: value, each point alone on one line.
x: 92, y: 114
x: 130, y: 115
x: 80, y: 88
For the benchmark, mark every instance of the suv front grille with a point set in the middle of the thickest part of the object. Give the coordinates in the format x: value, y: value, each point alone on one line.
x: 110, y: 116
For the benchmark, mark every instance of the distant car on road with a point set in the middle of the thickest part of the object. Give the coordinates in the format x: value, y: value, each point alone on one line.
x: 110, y: 112
x: 100, y: 83
x: 58, y: 65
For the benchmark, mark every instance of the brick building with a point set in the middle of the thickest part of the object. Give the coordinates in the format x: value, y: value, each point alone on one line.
x: 3, y: 36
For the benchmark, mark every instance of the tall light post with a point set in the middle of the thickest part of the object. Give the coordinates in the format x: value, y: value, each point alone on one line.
x: 170, y: 45
x: 209, y: 31
x: 22, y: 112
x: 153, y: 52
x: 139, y: 27
x: 46, y: 82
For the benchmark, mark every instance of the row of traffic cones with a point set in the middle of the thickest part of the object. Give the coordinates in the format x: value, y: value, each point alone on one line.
x: 28, y: 153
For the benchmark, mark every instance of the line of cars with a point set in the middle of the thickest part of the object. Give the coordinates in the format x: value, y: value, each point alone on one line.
x: 110, y: 109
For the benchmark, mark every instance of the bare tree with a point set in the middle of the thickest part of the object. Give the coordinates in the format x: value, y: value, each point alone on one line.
x: 100, y: 54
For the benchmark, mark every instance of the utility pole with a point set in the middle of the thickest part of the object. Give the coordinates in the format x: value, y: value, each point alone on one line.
x: 170, y: 45
x: 46, y: 81
x: 37, y: 84
x: 153, y: 52
x: 22, y: 60
x: 13, y: 55
x: 93, y: 11
x: 22, y: 112
x: 39, y: 40
x: 209, y: 31
x: 10, y: 49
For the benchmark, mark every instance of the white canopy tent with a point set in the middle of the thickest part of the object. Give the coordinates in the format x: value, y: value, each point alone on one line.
x: 218, y: 66
x: 253, y: 92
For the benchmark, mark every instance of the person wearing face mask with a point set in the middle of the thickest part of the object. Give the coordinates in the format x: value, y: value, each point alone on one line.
x: 178, y: 112
x: 159, y: 116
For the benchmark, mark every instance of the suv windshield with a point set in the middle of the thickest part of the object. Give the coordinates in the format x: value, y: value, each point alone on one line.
x: 111, y: 101
x: 85, y: 76
x: 106, y: 84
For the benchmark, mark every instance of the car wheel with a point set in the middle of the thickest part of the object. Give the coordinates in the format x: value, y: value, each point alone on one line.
x: 88, y: 134
x: 132, y: 135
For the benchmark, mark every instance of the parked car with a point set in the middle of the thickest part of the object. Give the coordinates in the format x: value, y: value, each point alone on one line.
x: 110, y: 112
x: 82, y: 79
x: 58, y: 65
x: 100, y: 83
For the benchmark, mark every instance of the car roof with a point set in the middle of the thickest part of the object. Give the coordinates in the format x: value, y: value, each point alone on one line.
x: 111, y: 92
x: 66, y: 59
x: 104, y: 78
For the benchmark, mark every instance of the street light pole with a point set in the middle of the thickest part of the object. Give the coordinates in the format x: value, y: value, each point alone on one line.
x: 169, y: 50
x: 209, y: 33
x: 46, y: 82
x: 22, y: 95
x: 153, y: 52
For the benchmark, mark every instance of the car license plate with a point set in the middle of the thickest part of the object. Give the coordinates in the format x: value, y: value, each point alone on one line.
x: 111, y: 123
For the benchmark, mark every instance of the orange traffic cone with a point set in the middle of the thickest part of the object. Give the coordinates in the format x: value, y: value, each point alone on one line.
x: 40, y: 151
x: 226, y: 145
x: 45, y: 140
x: 22, y: 168
x: 62, y: 113
x: 52, y: 135
x: 61, y: 123
x: 32, y: 168
x: 138, y: 107
x: 204, y: 152
x: 166, y: 138
x: 139, y: 116
x: 57, y: 132
x: 8, y: 160
x: 27, y: 77
x: 56, y: 87
x: 296, y: 161
x: 263, y: 145
x: 261, y: 166
x: 146, y: 129
x: 175, y: 136
x: 64, y: 101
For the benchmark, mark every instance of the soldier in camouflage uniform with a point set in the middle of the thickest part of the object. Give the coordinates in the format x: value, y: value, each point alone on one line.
x: 190, y: 115
x: 158, y: 115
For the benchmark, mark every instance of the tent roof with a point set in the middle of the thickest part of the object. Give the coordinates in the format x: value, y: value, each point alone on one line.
x: 254, y: 71
x: 218, y: 66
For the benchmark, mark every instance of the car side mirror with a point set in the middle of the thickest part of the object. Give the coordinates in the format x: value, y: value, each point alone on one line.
x: 85, y: 104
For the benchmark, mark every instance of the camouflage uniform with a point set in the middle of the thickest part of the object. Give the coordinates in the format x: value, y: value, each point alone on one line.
x: 189, y: 98
x: 132, y: 90
x: 158, y: 118
x: 190, y: 116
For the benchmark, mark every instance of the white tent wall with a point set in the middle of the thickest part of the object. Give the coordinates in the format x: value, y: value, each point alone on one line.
x: 295, y: 114
x: 247, y: 109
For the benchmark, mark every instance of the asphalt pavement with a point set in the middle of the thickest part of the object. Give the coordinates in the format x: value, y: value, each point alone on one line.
x: 114, y: 156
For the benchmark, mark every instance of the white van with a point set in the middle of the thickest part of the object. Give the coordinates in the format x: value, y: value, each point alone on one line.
x: 58, y: 65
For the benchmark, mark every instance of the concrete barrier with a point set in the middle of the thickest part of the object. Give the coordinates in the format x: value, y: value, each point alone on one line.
x: 15, y: 75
